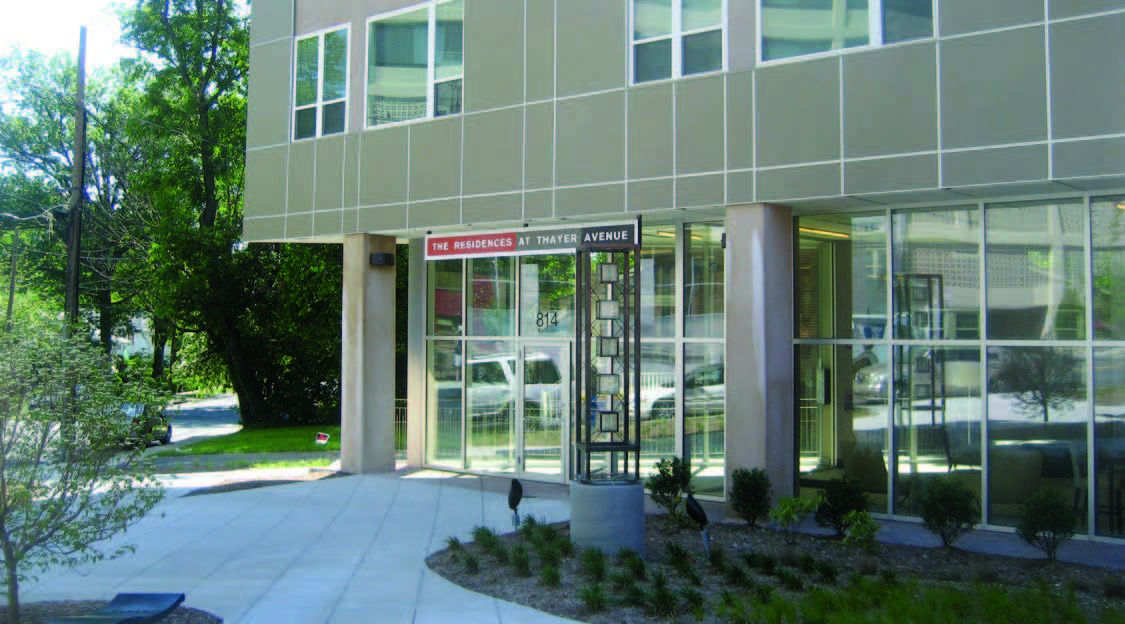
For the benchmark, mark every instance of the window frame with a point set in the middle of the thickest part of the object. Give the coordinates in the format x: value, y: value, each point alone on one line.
x: 876, y: 38
x: 320, y: 102
x: 676, y: 36
x: 431, y: 7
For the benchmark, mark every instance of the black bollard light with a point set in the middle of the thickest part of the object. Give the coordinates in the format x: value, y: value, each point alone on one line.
x: 696, y: 513
x: 515, y: 495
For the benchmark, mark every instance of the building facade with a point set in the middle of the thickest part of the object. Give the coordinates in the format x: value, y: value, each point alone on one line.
x: 879, y: 238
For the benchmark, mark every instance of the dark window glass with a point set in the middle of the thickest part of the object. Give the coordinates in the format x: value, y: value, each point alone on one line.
x: 904, y: 20
x: 306, y: 123
x: 652, y: 61
x: 333, y: 118
x: 703, y: 52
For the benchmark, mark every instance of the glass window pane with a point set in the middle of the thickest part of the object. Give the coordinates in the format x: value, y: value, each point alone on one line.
x: 305, y: 125
x: 335, y: 65
x: 333, y: 118
x: 937, y: 274
x: 704, y: 416
x: 446, y: 288
x: 492, y: 297
x: 842, y: 406
x: 491, y: 388
x: 444, y: 406
x: 652, y: 61
x: 703, y: 52
x: 904, y: 20
x: 547, y: 295
x: 798, y: 27
x: 1109, y: 441
x: 658, y: 281
x: 1037, y: 419
x: 448, y: 47
x: 307, y: 63
x: 447, y: 98
x: 651, y: 18
x: 842, y: 276
x: 937, y: 419
x: 1107, y: 223
x: 1036, y: 274
x: 398, y: 56
x: 701, y: 14
x: 704, y: 281
x: 658, y: 404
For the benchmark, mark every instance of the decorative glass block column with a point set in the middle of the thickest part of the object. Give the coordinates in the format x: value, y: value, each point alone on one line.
x: 607, y: 353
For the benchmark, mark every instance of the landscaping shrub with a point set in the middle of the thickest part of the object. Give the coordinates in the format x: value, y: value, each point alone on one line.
x: 789, y: 580
x: 471, y: 563
x: 750, y: 494
x: 661, y: 600
x: 593, y: 598
x: 1114, y: 588
x: 670, y: 484
x: 1046, y: 521
x: 453, y: 544
x: 692, y: 599
x: 827, y: 571
x: 485, y: 538
x: 862, y: 529
x: 949, y: 509
x: 633, y: 596
x: 593, y: 564
x: 736, y: 575
x: 521, y: 561
x: 717, y: 558
x: 790, y: 511
x: 840, y: 497
x: 550, y: 576
x: 678, y: 557
x: 634, y: 565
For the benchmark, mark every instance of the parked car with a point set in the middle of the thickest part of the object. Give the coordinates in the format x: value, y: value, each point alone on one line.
x: 704, y: 389
x: 492, y: 385
x: 148, y: 422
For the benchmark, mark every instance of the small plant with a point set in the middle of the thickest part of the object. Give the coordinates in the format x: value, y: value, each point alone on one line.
x: 693, y: 578
x: 548, y: 554
x: 736, y: 575
x: 949, y: 509
x: 1113, y: 587
x: 1046, y: 521
x: 661, y: 601
x: 550, y: 576
x: 789, y: 580
x: 485, y: 538
x: 632, y: 595
x: 670, y: 484
x: 764, y: 594
x: 521, y: 561
x: 529, y: 528
x: 827, y: 571
x: 790, y: 511
x: 717, y: 558
x: 593, y: 564
x: 764, y: 563
x: 868, y: 566
x: 841, y: 496
x: 621, y: 580
x: 862, y: 529
x: 985, y: 575
x: 453, y: 544
x: 634, y: 565
x: 471, y: 562
x: 889, y: 576
x: 565, y: 546
x: 593, y: 598
x: 692, y: 599
x: 750, y: 494
x: 807, y: 563
x: 678, y: 557
x: 659, y: 579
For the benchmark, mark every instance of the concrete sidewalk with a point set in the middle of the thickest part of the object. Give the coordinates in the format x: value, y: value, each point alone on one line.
x: 352, y: 549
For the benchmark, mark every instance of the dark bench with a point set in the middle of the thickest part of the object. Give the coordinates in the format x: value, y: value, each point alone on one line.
x: 129, y: 609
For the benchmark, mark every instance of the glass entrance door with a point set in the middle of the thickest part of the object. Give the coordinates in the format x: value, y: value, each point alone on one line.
x: 545, y: 410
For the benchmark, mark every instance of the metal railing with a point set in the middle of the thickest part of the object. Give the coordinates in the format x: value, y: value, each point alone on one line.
x: 400, y: 429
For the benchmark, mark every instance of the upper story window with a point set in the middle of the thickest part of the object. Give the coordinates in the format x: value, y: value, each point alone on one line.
x: 792, y: 28
x: 320, y: 99
x: 414, y: 63
x: 674, y: 38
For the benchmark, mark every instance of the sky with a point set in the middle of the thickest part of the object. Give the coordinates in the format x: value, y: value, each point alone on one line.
x: 52, y: 26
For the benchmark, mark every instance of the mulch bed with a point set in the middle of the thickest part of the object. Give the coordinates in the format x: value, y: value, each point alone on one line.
x: 1095, y: 588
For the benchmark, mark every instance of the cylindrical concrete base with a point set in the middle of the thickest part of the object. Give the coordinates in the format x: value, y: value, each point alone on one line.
x: 608, y: 516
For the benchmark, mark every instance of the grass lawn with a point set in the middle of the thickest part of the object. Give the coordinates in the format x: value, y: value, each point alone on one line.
x: 281, y: 440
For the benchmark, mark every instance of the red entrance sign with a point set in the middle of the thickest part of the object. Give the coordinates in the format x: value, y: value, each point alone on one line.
x: 483, y: 244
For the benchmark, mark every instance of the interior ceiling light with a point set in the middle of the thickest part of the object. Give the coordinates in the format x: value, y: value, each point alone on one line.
x: 824, y: 232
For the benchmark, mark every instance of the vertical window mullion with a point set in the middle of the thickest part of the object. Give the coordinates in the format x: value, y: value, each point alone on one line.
x: 431, y: 70
x: 677, y: 38
x: 318, y: 107
x: 875, y: 22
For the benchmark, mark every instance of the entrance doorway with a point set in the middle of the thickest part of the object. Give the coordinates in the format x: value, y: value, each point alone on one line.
x: 545, y: 405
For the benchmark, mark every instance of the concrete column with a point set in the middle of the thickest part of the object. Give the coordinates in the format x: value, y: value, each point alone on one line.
x: 416, y: 354
x: 367, y: 405
x: 759, y: 360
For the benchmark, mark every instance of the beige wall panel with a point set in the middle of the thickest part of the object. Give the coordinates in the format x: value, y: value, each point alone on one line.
x: 265, y: 193
x: 608, y: 199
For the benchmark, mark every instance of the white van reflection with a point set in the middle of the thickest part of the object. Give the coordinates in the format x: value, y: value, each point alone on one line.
x: 492, y: 395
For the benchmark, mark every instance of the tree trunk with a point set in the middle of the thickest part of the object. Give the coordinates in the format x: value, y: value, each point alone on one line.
x: 106, y: 319
x: 251, y: 401
x: 13, y: 588
x: 159, y: 340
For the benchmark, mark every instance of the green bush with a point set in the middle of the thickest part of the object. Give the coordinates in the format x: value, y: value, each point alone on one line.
x: 471, y: 563
x: 521, y: 561
x: 750, y: 494
x: 593, y: 598
x: 949, y: 509
x: 1046, y: 520
x: 790, y: 511
x: 634, y: 565
x: 670, y: 484
x: 862, y: 529
x: 593, y: 564
x: 632, y: 595
x: 550, y: 576
x: 840, y: 497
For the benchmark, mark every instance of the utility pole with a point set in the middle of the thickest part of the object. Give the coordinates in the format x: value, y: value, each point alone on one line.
x: 77, y: 188
x: 12, y: 281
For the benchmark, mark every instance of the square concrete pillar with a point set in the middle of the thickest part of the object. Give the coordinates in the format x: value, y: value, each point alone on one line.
x: 367, y: 405
x: 416, y: 364
x: 759, y: 360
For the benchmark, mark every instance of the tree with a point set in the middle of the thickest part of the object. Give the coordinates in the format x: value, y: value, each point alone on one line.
x: 66, y: 482
x: 1040, y: 378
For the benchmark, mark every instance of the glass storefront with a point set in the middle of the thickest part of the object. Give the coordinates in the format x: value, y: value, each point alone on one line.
x: 1003, y: 366
x: 500, y: 352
